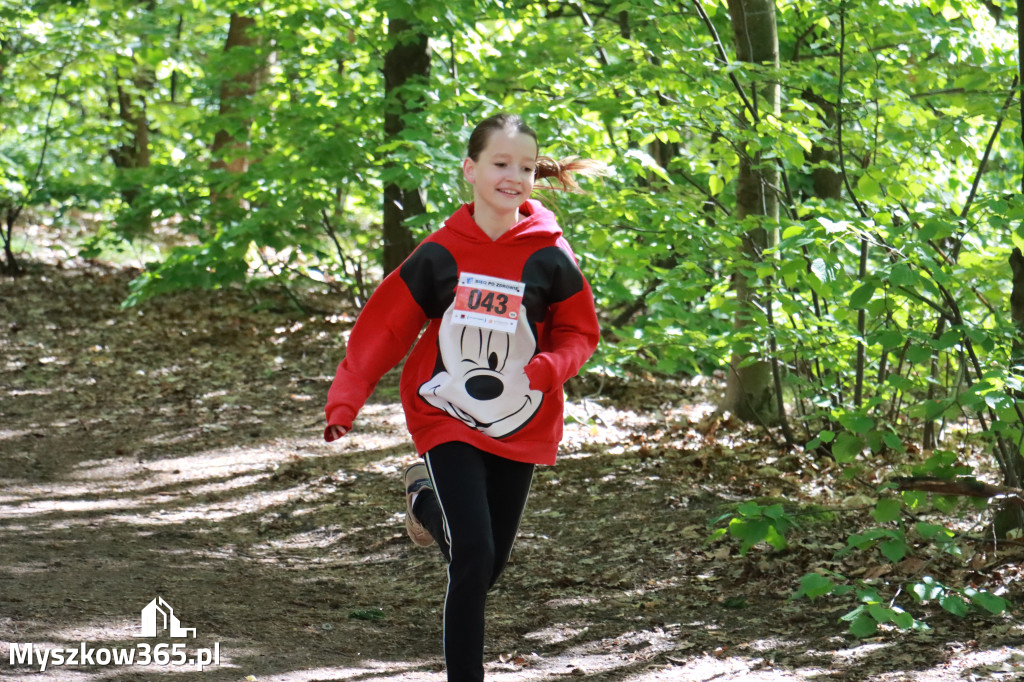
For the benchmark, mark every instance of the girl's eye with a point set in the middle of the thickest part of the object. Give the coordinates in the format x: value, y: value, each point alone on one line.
x: 500, y: 164
x: 528, y: 169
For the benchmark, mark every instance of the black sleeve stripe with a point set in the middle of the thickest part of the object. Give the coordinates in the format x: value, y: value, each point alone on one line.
x: 431, y: 274
x: 551, y: 276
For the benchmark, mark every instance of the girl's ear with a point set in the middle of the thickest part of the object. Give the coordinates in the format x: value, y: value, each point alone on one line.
x: 469, y: 170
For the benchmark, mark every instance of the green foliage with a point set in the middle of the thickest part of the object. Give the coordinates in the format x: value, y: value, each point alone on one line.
x: 752, y: 523
x: 884, y: 297
x: 873, y: 610
x: 895, y: 543
x: 637, y: 88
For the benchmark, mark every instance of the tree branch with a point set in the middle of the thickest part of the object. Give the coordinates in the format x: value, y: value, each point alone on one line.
x: 839, y: 113
x: 984, y: 162
x: 723, y: 58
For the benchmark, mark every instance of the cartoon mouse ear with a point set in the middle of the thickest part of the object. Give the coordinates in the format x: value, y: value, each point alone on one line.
x: 551, y: 269
x: 431, y: 274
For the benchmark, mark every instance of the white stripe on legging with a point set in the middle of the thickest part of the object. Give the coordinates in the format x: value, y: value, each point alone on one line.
x: 448, y: 568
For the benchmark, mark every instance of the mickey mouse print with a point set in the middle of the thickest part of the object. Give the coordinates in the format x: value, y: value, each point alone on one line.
x: 480, y: 377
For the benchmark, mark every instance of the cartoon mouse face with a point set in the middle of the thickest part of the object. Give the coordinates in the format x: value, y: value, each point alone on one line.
x: 482, y: 382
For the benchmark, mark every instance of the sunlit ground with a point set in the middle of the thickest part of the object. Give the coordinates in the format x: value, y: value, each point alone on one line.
x: 189, y: 465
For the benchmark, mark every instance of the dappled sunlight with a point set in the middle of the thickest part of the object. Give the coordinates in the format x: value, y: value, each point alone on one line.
x: 205, y: 480
x: 17, y: 393
x: 569, y: 602
x: 591, y: 656
x: 98, y: 630
x: 370, y: 671
x: 1004, y: 662
x: 162, y: 489
x: 7, y: 434
x: 862, y: 650
x: 218, y: 511
x: 21, y: 490
x: 555, y: 634
x: 719, y: 669
x: 63, y: 675
x: 42, y: 507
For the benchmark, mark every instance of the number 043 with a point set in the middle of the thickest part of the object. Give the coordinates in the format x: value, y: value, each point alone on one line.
x: 491, y: 302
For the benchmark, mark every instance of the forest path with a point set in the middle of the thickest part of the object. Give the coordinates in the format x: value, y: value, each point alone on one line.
x: 175, y: 451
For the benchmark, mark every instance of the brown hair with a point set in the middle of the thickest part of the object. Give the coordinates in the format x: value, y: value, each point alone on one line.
x: 561, y: 170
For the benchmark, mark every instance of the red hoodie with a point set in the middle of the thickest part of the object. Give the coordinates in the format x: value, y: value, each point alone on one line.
x: 472, y: 383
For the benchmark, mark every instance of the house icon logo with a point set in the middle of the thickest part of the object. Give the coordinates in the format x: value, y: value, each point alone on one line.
x: 157, y: 615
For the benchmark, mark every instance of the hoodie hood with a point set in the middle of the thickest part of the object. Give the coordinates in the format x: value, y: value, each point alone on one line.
x: 538, y: 223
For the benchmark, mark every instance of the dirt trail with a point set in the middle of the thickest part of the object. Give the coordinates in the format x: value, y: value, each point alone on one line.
x: 174, y: 451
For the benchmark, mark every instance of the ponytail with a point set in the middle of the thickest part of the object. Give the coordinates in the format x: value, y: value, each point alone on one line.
x: 563, y: 171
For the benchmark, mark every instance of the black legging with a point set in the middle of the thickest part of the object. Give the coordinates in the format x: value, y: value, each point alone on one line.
x: 474, y: 516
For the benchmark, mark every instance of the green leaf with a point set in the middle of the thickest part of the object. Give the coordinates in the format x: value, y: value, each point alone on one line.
x: 893, y: 441
x: 863, y: 626
x: 750, y: 509
x: 880, y: 613
x: 903, y: 275
x: 887, y: 510
x: 814, y: 585
x: 749, y: 532
x: 928, y: 589
x: 774, y: 538
x: 903, y: 619
x: 862, y: 295
x: 859, y: 424
x: 986, y: 600
x: 954, y: 604
x: 715, y: 185
x: 847, y: 447
x: 931, y: 531
x: 794, y: 156
x: 894, y: 549
x: 889, y: 338
x: 367, y: 614
x: 933, y: 409
x: 919, y: 353
x: 648, y: 163
x: 868, y: 188
x: 794, y: 231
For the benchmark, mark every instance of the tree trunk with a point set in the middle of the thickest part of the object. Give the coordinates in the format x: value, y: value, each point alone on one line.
x: 1017, y: 302
x: 749, y: 389
x: 231, y: 143
x: 1010, y: 517
x: 828, y: 182
x: 134, y: 152
x: 10, y: 265
x: 1014, y: 475
x: 406, y: 63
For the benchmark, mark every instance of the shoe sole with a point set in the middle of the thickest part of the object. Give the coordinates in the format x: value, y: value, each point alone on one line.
x: 417, y: 532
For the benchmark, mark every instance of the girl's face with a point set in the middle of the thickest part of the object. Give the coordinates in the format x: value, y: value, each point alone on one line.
x: 503, y: 174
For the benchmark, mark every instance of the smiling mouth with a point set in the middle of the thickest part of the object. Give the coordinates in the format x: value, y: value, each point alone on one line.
x: 472, y: 421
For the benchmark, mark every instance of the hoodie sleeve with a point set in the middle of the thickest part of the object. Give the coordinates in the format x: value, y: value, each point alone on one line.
x: 572, y: 329
x: 386, y: 328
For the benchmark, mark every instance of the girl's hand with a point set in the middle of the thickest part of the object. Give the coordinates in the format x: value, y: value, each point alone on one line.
x: 334, y: 432
x: 541, y: 373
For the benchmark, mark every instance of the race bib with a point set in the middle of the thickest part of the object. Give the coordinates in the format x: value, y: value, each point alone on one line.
x: 488, y: 302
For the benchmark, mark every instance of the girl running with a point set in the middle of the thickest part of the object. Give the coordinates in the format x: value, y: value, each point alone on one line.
x: 509, y: 318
